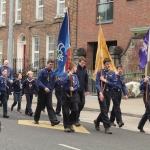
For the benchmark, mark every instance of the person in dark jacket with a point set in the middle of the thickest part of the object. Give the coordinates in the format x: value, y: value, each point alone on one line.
x: 4, y: 85
x: 45, y: 83
x: 29, y: 88
x: 70, y: 84
x: 145, y: 84
x: 17, y: 92
x: 58, y: 90
x: 83, y: 89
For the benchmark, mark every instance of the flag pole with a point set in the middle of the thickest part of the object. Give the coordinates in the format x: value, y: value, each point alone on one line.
x: 101, y: 53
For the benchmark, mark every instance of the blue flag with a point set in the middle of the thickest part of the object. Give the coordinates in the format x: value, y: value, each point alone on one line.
x: 144, y: 50
x: 63, y: 45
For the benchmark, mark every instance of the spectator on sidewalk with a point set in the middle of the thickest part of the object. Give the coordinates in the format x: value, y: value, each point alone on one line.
x: 29, y: 88
x: 17, y: 92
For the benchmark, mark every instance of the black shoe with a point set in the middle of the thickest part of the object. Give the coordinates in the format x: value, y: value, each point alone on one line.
x: 141, y: 129
x: 107, y: 131
x: 67, y: 130
x: 112, y: 124
x: 31, y: 113
x: 11, y: 108
x: 72, y: 129
x: 96, y: 125
x: 121, y: 124
x: 55, y: 123
x: 19, y: 111
x: 26, y: 113
x: 5, y: 116
x: 36, y: 122
x: 77, y: 124
x: 0, y: 104
x: 58, y: 114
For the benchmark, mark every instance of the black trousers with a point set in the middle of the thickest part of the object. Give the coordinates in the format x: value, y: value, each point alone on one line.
x: 58, y: 107
x: 81, y: 102
x: 116, y: 111
x: 4, y: 101
x: 69, y: 108
x: 146, y: 115
x: 104, y: 108
x: 44, y: 99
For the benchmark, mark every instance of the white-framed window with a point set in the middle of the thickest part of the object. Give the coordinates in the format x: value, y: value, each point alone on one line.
x: 50, y: 46
x: 60, y: 7
x: 35, y: 51
x: 2, y: 12
x: 1, y: 52
x: 105, y: 10
x: 39, y: 9
x: 18, y: 11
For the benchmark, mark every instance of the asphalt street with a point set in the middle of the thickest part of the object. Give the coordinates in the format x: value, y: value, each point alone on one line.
x: 23, y: 137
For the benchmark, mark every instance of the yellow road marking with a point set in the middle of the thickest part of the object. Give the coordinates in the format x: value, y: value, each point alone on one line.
x: 46, y: 124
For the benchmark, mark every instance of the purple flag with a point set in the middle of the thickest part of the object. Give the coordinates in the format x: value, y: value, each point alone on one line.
x: 143, y: 52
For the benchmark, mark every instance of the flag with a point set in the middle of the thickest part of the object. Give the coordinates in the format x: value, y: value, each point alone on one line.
x: 63, y: 45
x: 102, y: 53
x: 144, y: 52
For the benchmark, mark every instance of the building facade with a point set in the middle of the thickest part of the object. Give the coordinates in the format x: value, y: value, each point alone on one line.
x: 36, y: 25
x: 124, y: 23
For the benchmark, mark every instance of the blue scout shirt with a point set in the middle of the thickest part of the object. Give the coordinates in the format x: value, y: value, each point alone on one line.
x: 65, y: 80
x: 4, y: 83
x: 9, y: 70
x: 120, y: 84
x: 109, y: 76
x: 143, y: 86
x: 17, y: 86
x: 46, y: 79
x: 57, y: 86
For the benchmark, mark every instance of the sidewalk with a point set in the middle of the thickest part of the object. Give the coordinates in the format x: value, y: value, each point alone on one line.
x: 130, y: 107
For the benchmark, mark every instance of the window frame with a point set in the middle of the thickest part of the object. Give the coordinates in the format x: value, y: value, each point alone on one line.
x: 33, y: 50
x: 47, y: 46
x: 1, y: 52
x: 102, y: 3
x: 58, y: 8
x: 17, y: 10
x: 37, y: 10
x: 2, y: 13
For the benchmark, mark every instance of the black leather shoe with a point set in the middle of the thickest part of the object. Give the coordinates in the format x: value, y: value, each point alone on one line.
x: 5, y: 116
x: 31, y: 113
x: 77, y: 124
x: 11, y: 108
x: 141, y: 129
x: 112, y: 124
x: 36, y: 122
x: 121, y: 124
x: 55, y: 123
x: 96, y: 125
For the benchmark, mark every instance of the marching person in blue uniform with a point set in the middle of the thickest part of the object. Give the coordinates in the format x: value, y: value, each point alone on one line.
x: 118, y: 88
x: 45, y: 81
x: 29, y: 88
x: 83, y: 90
x: 145, y: 82
x: 70, y: 85
x: 17, y: 92
x: 104, y: 94
x: 4, y: 84
x: 9, y: 75
x: 58, y: 90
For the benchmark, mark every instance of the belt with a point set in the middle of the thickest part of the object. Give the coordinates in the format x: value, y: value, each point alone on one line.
x: 117, y: 90
x: 107, y: 90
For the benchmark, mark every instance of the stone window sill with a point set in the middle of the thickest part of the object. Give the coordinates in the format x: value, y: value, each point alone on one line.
x: 2, y: 25
x: 38, y: 20
x: 106, y: 22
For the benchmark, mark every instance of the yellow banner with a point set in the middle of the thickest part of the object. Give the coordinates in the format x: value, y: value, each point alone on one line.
x: 102, y: 53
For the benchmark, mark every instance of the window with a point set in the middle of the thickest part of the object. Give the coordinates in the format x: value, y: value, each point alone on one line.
x: 50, y: 47
x: 39, y: 9
x: 18, y: 11
x: 105, y: 10
x: 60, y: 7
x: 3, y: 12
x: 1, y: 52
x: 35, y: 51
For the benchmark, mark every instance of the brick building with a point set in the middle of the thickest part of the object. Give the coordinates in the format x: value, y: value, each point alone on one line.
x: 124, y: 23
x: 35, y: 30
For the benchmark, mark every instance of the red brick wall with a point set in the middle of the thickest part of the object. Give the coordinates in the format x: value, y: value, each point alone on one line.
x: 127, y: 14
